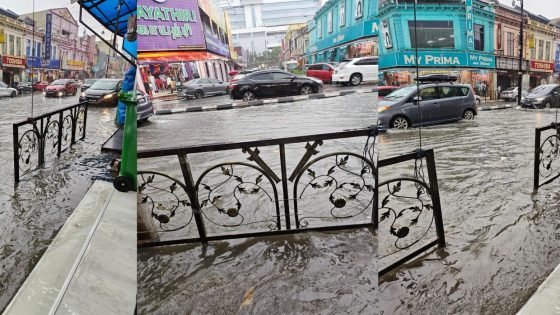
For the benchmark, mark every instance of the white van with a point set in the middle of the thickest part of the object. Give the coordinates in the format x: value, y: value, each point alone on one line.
x: 356, y: 71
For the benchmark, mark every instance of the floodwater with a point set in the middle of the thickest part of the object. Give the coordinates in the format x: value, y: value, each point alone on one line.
x: 32, y: 212
x: 502, y: 240
x: 312, y: 273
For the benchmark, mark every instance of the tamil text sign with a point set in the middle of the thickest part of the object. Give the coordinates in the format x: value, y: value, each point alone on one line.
x: 171, y: 25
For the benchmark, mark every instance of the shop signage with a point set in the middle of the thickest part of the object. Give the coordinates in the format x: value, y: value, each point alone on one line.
x: 37, y: 62
x: 14, y: 62
x: 437, y: 59
x: 48, y: 31
x: 75, y: 63
x: 347, y: 34
x: 557, y: 58
x: 542, y: 66
x: 214, y: 44
x: 509, y: 63
x: 169, y: 26
x: 470, y: 24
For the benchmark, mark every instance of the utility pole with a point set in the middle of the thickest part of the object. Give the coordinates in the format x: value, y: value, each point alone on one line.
x: 520, y: 72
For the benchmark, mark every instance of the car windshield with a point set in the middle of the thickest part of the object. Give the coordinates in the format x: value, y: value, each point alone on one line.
x: 104, y: 85
x: 89, y: 81
x: 342, y: 63
x: 542, y: 89
x: 510, y: 89
x: 239, y: 76
x: 401, y: 93
x: 59, y: 82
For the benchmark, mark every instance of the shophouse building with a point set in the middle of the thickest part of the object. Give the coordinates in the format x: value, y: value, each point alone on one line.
x: 343, y: 29
x: 453, y: 37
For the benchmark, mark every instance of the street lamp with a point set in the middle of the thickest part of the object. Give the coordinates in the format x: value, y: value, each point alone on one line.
x: 520, y: 72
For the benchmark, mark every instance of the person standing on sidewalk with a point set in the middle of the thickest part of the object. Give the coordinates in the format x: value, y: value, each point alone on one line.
x: 499, y: 90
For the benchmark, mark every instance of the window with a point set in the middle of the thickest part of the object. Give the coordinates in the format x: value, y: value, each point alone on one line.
x: 510, y: 44
x: 53, y: 53
x: 281, y: 76
x: 452, y: 91
x: 38, y: 50
x: 320, y: 28
x: 432, y: 34
x: 541, y: 49
x: 478, y: 37
x: 547, y: 51
x: 366, y: 62
x: 428, y: 94
x: 326, y: 67
x: 18, y: 46
x: 262, y: 77
x: 28, y: 47
x: 12, y: 45
x: 359, y: 12
x: 342, y: 13
x: 203, y: 81
x: 329, y: 22
x: 314, y: 67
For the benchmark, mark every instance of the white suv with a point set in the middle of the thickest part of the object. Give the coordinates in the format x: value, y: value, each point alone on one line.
x: 356, y: 71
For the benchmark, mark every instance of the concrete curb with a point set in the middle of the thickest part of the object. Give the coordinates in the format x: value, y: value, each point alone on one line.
x: 545, y: 110
x: 495, y: 107
x: 287, y: 99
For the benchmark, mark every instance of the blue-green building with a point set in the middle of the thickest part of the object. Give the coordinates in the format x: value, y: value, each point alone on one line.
x: 454, y: 37
x: 343, y: 29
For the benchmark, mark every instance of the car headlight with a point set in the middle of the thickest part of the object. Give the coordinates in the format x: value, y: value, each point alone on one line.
x: 539, y: 99
x: 83, y: 94
x: 108, y: 96
x: 383, y: 108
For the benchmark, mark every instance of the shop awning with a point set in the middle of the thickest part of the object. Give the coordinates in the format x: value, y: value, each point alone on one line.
x: 176, y: 56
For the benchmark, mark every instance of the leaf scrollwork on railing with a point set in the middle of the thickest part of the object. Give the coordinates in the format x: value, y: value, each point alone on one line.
x: 51, y: 138
x: 549, y: 153
x: 28, y: 150
x: 166, y: 199
x: 228, y: 199
x: 405, y: 214
x: 345, y: 187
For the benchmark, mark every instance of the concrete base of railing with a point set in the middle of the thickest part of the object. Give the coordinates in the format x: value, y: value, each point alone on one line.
x: 241, y: 104
x: 546, y: 299
x: 494, y: 107
x: 90, y: 266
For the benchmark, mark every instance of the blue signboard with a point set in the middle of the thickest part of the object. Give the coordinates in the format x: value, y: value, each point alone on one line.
x: 358, y: 30
x: 37, y: 62
x: 470, y: 24
x: 48, y: 31
x: 214, y: 44
x: 557, y: 59
x: 437, y: 59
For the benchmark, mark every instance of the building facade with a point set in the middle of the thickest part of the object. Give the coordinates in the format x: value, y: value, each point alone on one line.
x: 259, y: 25
x: 293, y: 46
x: 343, y: 29
x: 201, y: 48
x: 12, y: 32
x: 456, y: 38
x: 540, y: 49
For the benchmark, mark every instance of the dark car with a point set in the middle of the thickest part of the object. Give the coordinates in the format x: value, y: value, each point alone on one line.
x: 61, y: 87
x: 88, y: 83
x: 145, y: 108
x: 543, y: 96
x: 22, y: 87
x: 103, y: 92
x: 202, y: 87
x: 269, y: 83
x: 440, y: 101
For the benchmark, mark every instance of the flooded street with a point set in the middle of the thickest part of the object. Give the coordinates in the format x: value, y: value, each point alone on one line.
x: 312, y: 273
x: 502, y: 240
x: 33, y: 211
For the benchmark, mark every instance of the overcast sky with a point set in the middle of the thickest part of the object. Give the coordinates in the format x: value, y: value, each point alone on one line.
x: 547, y: 8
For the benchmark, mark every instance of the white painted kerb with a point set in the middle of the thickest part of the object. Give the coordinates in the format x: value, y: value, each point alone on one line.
x: 546, y: 299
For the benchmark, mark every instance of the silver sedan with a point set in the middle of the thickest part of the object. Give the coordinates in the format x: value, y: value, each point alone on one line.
x: 202, y: 87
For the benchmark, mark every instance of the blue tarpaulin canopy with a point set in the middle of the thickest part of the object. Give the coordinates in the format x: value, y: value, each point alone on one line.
x: 107, y: 13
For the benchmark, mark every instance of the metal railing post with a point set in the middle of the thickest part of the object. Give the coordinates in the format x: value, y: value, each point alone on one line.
x: 16, y: 152
x: 285, y: 186
x: 191, y: 190
x: 60, y: 122
x: 85, y: 122
x: 537, y: 159
x: 432, y: 177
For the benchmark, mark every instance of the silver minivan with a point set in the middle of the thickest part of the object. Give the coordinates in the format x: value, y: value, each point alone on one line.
x: 435, y: 103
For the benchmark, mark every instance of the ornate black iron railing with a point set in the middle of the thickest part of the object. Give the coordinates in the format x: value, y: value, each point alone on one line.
x: 547, y: 156
x: 410, y: 208
x: 47, y: 135
x: 240, y: 199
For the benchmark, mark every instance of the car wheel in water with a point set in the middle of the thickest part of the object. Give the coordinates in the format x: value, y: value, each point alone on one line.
x: 356, y: 79
x: 546, y: 105
x: 13, y: 94
x: 198, y: 94
x: 478, y: 101
x: 305, y: 90
x: 248, y: 96
x: 400, y: 123
x: 468, y: 114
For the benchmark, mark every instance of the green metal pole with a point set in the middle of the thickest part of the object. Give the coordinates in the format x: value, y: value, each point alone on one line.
x: 128, y: 158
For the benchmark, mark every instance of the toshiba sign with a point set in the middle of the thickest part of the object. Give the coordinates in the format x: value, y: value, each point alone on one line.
x: 13, y: 62
x: 542, y: 66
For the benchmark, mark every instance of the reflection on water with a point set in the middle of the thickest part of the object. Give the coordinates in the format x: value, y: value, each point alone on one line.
x: 33, y: 211
x: 303, y: 274
x: 501, y: 239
